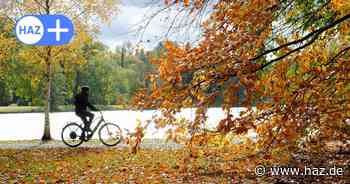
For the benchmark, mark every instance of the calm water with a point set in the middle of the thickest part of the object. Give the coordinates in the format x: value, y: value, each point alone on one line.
x: 28, y: 126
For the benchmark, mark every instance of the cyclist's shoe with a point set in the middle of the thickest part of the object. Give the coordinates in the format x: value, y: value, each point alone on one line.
x: 86, y: 135
x: 89, y: 134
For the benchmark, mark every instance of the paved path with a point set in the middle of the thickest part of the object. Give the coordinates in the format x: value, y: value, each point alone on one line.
x: 37, y: 144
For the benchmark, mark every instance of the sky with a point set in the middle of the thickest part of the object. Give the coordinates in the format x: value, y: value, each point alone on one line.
x: 134, y: 14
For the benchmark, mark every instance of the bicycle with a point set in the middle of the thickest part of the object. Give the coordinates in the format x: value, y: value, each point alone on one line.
x: 74, y: 134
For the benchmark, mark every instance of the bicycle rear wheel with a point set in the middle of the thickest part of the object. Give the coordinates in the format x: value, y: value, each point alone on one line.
x: 71, y: 135
x: 110, y: 134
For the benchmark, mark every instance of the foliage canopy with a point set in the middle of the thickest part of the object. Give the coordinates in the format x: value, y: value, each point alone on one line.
x: 290, y: 57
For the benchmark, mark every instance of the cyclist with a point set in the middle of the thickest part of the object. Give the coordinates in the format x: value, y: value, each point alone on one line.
x: 81, y: 102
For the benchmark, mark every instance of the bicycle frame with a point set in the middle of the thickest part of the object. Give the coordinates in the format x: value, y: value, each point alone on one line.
x: 102, y: 120
x: 86, y: 136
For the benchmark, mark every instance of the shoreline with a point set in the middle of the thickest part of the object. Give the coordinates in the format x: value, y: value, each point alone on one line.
x: 39, y: 109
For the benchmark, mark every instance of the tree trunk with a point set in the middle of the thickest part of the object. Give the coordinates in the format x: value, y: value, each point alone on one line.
x: 76, y: 81
x: 47, y: 134
x: 122, y: 57
x: 48, y: 77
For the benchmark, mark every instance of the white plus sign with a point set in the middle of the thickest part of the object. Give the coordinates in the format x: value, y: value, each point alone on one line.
x: 58, y: 30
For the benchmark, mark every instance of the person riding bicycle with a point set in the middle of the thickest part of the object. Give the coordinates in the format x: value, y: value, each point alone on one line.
x: 81, y: 102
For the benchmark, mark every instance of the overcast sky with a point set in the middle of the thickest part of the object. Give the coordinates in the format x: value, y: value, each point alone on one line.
x: 133, y: 14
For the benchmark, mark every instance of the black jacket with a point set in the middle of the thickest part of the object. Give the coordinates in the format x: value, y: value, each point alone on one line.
x: 81, y: 102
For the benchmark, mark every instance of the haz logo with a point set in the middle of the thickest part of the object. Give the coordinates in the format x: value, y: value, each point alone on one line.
x: 44, y: 30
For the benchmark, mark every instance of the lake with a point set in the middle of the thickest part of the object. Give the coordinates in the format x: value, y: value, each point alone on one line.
x: 29, y: 126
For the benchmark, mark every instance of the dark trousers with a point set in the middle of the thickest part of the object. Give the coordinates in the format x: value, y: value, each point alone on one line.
x: 83, y: 116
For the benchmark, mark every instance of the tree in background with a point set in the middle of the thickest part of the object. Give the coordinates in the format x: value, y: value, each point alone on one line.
x: 111, y: 84
x: 45, y: 59
x: 7, y: 50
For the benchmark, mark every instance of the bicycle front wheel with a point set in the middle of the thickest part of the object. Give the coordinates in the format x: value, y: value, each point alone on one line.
x: 71, y: 134
x: 110, y: 134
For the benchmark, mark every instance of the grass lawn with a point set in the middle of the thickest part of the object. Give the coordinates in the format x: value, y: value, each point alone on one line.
x: 20, y: 109
x: 61, y: 108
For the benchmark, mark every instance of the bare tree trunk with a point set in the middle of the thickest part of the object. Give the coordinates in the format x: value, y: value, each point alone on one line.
x: 76, y: 81
x: 47, y: 109
x: 122, y: 57
x: 48, y: 77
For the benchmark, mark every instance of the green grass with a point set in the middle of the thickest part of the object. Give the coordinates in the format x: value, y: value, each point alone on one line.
x: 61, y: 108
x: 20, y: 109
